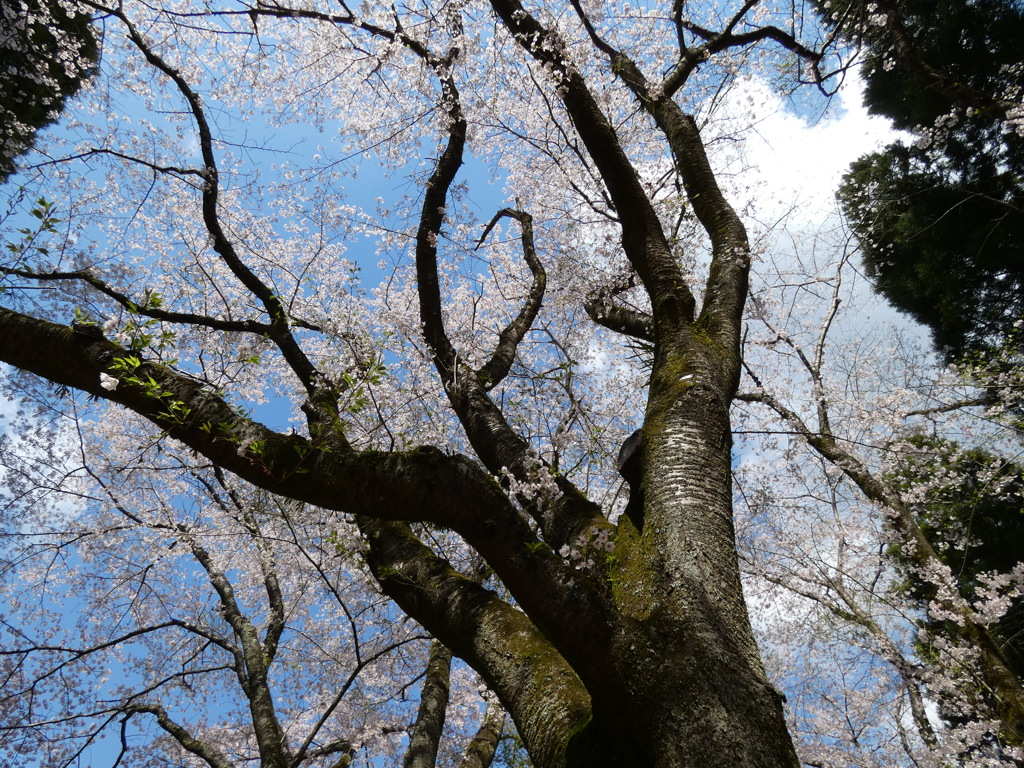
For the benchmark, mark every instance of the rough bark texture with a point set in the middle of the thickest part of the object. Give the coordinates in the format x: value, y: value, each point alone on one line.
x: 426, y: 734
x: 708, y: 700
x: 480, y: 752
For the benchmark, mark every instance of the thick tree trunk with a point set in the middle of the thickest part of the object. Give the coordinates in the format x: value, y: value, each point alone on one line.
x: 718, y: 707
x: 701, y: 695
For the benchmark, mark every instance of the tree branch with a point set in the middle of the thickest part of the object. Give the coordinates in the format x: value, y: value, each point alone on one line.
x: 148, y: 310
x: 643, y: 239
x: 426, y: 733
x: 423, y: 484
x: 322, y: 410
x: 498, y: 366
x: 623, y: 320
x: 531, y: 678
x: 481, y: 749
x: 204, y: 750
x: 995, y: 668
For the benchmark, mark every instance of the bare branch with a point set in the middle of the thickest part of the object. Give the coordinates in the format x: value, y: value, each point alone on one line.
x: 205, y: 751
x: 426, y: 733
x: 146, y: 309
x: 498, y: 366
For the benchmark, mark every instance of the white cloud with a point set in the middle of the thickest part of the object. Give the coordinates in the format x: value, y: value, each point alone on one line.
x: 785, y: 164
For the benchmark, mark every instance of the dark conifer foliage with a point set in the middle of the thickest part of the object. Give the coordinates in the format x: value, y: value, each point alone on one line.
x: 941, y: 218
x: 971, y: 501
x: 46, y: 53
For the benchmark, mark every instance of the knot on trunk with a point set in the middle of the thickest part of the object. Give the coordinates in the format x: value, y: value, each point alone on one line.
x: 630, y: 464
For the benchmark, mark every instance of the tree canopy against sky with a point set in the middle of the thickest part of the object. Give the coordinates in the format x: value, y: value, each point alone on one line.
x: 939, y: 218
x: 250, y: 481
x: 940, y: 215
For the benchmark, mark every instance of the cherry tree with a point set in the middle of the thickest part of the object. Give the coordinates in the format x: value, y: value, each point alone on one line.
x: 855, y: 410
x: 264, y: 441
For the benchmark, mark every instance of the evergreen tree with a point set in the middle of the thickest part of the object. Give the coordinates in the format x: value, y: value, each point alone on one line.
x: 46, y: 52
x: 940, y: 219
x: 970, y: 505
x: 941, y: 227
